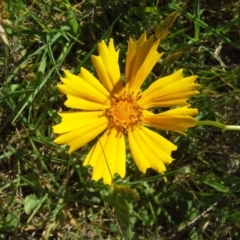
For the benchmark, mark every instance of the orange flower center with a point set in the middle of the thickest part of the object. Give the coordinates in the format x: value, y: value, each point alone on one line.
x: 125, y: 113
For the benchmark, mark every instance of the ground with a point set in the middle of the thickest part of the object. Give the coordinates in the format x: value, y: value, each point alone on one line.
x: 45, y: 193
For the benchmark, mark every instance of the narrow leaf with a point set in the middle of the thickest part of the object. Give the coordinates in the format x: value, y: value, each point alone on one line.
x: 122, y: 212
x: 161, y: 31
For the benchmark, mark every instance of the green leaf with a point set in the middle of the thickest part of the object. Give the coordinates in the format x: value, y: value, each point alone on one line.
x: 122, y: 212
x: 30, y: 202
x: 196, y: 15
x: 10, y: 222
x: 14, y: 94
x: 113, y: 228
x: 73, y: 23
x: 124, y: 191
x: 171, y: 58
x: 161, y: 31
x: 216, y: 185
x: 32, y: 180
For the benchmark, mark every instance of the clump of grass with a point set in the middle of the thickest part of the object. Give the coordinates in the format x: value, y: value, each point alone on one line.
x: 47, y: 194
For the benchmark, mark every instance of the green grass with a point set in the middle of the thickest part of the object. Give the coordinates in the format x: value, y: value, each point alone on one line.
x: 47, y: 194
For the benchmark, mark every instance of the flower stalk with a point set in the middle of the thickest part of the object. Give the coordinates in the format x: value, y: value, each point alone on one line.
x: 218, y: 125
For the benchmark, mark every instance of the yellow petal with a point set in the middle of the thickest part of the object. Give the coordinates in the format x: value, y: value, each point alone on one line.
x: 74, y: 120
x: 172, y: 90
x: 107, y: 67
x: 141, y: 58
x: 150, y: 150
x: 78, y: 103
x: 86, y: 90
x: 176, y: 120
x: 81, y: 132
x: 92, y: 81
x: 107, y: 157
x: 85, y: 87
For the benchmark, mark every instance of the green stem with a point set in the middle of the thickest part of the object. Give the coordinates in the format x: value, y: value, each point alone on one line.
x: 218, y: 125
x: 232, y: 127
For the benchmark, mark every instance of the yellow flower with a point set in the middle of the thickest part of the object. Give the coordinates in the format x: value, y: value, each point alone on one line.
x: 113, y: 109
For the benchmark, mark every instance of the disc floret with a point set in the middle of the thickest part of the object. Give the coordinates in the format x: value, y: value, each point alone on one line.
x: 125, y: 113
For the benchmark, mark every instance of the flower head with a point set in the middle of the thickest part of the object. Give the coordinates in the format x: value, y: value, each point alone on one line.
x: 112, y: 109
